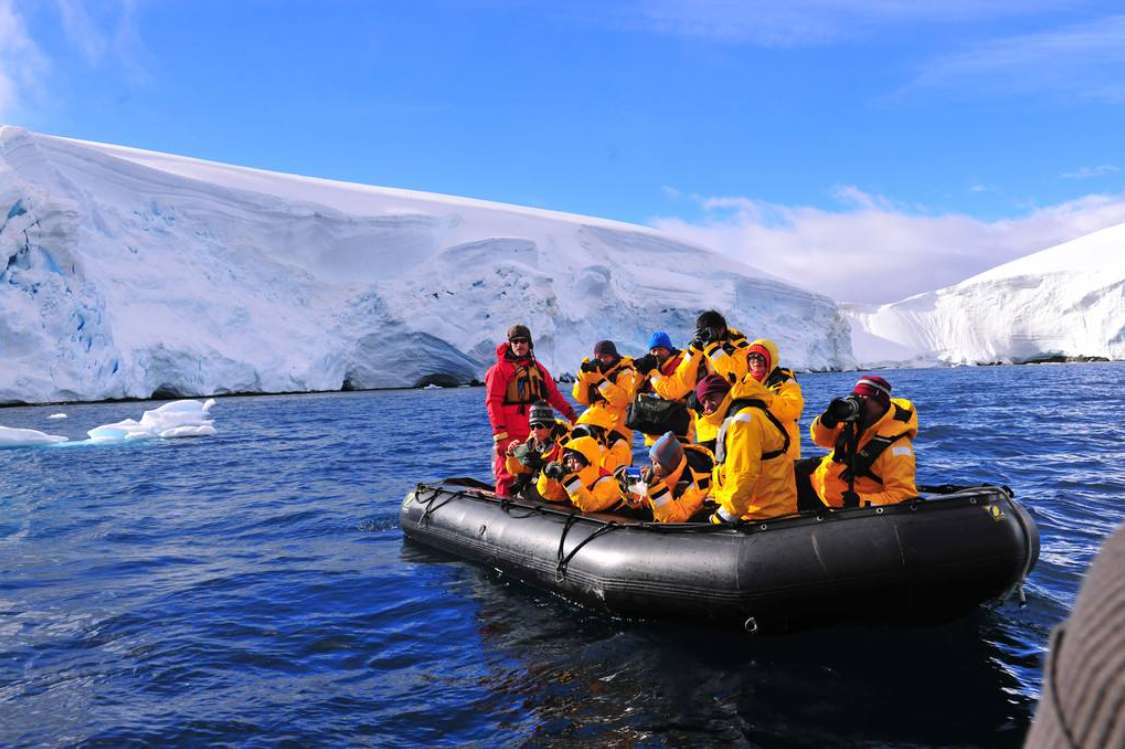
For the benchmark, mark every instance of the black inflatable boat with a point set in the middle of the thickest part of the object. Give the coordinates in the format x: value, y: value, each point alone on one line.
x: 927, y: 560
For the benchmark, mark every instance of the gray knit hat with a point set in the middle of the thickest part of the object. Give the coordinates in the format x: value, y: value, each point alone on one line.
x: 667, y: 452
x: 541, y: 413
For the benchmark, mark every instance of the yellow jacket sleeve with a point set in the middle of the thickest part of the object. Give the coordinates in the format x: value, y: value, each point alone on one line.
x: 619, y: 394
x: 788, y: 401
x: 822, y: 435
x: 669, y: 509
x: 734, y: 479
x: 681, y: 382
x: 603, y: 495
x: 514, y: 466
x: 581, y: 388
x: 896, y: 467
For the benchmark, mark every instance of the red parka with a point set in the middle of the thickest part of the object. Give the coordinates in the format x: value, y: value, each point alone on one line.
x: 511, y: 386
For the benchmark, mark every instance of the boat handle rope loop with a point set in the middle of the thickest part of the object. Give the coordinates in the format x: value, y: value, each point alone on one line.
x: 428, y: 502
x: 506, y: 504
x: 564, y: 560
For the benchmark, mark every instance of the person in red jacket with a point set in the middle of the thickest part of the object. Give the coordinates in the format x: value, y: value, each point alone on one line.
x: 511, y: 385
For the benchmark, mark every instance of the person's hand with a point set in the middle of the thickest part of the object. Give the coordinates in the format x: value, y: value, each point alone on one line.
x: 645, y: 364
x: 554, y: 470
x: 646, y: 474
x: 721, y: 517
x: 701, y: 338
x: 589, y: 365
x: 500, y: 443
x: 511, y: 449
x: 840, y: 409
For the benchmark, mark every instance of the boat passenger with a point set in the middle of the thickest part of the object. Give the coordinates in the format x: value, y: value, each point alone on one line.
x: 617, y: 445
x: 606, y: 384
x: 526, y: 459
x: 715, y: 349
x: 871, y: 435
x: 662, y: 360
x: 753, y: 476
x: 788, y: 402
x: 512, y: 384
x: 678, y: 480
x: 590, y: 488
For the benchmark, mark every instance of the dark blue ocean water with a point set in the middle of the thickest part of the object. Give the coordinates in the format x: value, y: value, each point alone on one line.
x: 254, y: 589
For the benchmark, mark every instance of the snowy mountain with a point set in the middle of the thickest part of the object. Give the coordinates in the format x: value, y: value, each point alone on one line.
x: 1068, y: 300
x: 125, y: 273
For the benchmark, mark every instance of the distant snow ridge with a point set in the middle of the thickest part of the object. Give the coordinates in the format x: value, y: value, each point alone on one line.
x: 1067, y: 301
x: 127, y: 273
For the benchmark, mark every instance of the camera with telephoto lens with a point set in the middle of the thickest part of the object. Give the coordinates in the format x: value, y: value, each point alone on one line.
x: 706, y: 334
x: 847, y: 409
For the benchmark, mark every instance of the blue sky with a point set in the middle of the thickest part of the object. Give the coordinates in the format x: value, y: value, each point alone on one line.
x: 935, y: 141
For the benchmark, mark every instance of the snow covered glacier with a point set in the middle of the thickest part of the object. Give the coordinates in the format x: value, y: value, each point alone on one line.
x: 1068, y: 300
x: 125, y: 273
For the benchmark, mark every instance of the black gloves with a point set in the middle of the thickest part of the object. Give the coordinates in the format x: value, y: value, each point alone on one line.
x: 645, y: 364
x: 554, y: 470
x: 841, y: 409
x: 589, y: 365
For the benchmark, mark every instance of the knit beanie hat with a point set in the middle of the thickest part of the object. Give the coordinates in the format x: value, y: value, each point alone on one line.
x: 762, y: 351
x: 711, y: 384
x: 659, y: 339
x: 667, y: 452
x: 520, y: 331
x: 874, y: 387
x: 541, y: 413
x: 605, y: 347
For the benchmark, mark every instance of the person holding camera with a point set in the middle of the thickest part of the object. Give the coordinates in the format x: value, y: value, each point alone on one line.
x: 714, y: 349
x: 512, y: 384
x: 661, y: 361
x: 525, y: 460
x: 606, y: 384
x: 753, y: 476
x: 589, y: 487
x: 678, y: 480
x: 872, y: 460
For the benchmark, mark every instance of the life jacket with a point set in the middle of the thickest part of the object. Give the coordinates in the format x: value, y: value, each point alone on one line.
x: 869, y: 453
x: 741, y: 405
x: 526, y: 385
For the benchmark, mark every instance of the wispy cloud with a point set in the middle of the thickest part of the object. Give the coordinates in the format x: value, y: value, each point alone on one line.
x: 22, y: 63
x: 1090, y: 172
x: 1087, y: 60
x: 793, y: 23
x: 873, y: 250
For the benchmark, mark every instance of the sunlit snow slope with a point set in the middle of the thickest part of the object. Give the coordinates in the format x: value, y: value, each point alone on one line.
x: 125, y: 273
x: 1068, y: 300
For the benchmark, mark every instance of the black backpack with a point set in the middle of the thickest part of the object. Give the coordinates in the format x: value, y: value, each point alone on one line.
x: 651, y: 414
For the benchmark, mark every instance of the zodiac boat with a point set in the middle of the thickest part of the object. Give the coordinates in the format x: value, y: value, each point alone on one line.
x: 930, y: 559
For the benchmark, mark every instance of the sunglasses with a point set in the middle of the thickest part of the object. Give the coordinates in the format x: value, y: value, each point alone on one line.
x: 540, y: 425
x: 519, y: 340
x: 757, y: 357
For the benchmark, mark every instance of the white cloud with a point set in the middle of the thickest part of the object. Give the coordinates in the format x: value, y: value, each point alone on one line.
x: 873, y: 251
x: 22, y: 64
x: 1087, y: 60
x: 1088, y: 172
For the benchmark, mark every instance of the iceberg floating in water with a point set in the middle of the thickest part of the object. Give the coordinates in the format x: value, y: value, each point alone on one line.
x: 12, y: 437
x: 57, y: 416
x: 184, y: 418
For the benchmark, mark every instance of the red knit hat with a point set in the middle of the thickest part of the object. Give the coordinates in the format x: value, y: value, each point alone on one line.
x: 763, y: 352
x: 873, y: 386
x: 712, y: 384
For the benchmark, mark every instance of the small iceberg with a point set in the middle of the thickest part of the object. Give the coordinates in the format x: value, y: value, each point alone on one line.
x: 12, y: 437
x: 57, y: 416
x: 432, y: 386
x: 186, y: 418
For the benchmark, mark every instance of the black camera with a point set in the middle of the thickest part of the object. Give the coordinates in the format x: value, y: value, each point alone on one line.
x: 708, y: 334
x: 847, y: 409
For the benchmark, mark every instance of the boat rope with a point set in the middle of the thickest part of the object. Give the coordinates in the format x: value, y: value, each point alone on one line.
x: 428, y: 502
x: 506, y: 504
x: 564, y: 560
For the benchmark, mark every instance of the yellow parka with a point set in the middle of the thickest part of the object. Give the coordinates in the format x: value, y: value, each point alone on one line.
x: 617, y: 446
x: 592, y: 489
x: 678, y: 496
x: 788, y: 401
x: 610, y: 392
x: 726, y: 357
x: 753, y: 476
x: 890, y: 477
